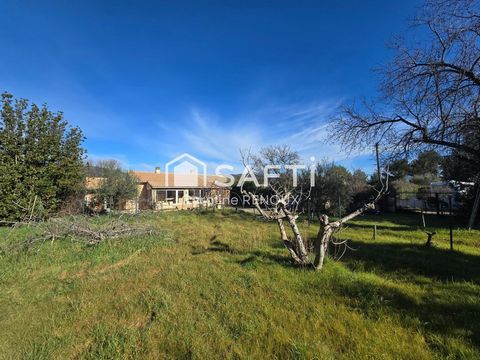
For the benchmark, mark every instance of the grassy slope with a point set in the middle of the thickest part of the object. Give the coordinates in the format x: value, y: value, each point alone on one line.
x: 219, y: 285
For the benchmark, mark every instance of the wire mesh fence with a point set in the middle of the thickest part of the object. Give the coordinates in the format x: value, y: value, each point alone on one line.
x: 431, y: 202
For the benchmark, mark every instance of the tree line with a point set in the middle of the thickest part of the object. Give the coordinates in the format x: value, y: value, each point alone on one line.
x: 339, y: 190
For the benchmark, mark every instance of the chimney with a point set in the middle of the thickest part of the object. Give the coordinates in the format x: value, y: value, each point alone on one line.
x: 157, y: 170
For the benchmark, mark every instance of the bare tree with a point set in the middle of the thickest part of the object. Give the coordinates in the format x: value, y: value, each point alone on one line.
x: 328, y: 229
x: 430, y: 91
x: 282, y: 205
x: 288, y: 195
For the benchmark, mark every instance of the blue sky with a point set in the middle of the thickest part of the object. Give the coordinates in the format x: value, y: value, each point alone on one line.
x: 147, y: 81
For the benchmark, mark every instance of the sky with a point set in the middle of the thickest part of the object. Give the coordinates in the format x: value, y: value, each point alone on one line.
x: 149, y: 80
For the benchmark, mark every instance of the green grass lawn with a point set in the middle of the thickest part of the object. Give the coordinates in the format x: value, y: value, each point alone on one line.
x: 220, y: 285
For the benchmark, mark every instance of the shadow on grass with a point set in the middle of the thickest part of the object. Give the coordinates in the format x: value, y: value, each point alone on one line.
x: 266, y: 257
x: 446, y: 305
x: 442, y: 307
x: 383, y: 227
x: 219, y: 246
x: 398, y: 258
x: 250, y: 258
x: 435, y: 292
x: 215, y: 246
x: 413, y: 220
x: 436, y: 263
x: 446, y: 311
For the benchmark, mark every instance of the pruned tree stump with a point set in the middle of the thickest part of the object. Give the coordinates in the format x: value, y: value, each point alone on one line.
x: 430, y: 235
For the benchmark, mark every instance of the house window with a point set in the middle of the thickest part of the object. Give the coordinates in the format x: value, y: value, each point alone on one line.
x: 171, y: 195
x: 161, y: 195
x: 194, y: 192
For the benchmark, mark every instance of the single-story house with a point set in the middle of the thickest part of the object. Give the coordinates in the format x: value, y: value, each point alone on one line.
x: 158, y: 190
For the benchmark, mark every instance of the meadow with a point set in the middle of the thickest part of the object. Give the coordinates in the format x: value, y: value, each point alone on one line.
x: 219, y: 284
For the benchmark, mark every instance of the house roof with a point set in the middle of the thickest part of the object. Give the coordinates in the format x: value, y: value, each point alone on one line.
x: 92, y: 182
x: 159, y: 180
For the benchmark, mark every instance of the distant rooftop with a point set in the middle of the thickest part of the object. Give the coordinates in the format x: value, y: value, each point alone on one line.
x: 159, y: 179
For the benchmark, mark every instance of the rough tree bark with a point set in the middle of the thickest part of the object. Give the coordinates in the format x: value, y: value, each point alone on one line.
x: 283, y: 213
x: 327, y: 229
x: 296, y: 246
x: 299, y: 243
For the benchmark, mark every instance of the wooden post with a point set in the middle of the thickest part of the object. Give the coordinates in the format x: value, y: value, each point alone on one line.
x: 451, y: 221
x: 451, y: 236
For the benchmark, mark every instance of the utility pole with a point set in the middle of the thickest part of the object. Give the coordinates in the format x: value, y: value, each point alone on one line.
x: 476, y: 204
x: 378, y: 172
x: 378, y: 163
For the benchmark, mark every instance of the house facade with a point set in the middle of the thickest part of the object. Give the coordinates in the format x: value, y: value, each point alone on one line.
x: 164, y: 191
x: 158, y: 190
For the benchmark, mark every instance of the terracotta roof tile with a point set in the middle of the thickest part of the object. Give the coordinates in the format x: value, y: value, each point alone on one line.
x: 159, y: 180
x: 92, y: 183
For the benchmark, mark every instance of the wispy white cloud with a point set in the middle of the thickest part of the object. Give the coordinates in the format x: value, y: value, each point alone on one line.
x: 302, y: 126
x: 217, y: 140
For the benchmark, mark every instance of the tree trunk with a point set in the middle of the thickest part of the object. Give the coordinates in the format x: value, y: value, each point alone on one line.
x: 288, y: 244
x: 321, y: 243
x: 327, y: 229
x: 300, y: 250
x: 429, y: 242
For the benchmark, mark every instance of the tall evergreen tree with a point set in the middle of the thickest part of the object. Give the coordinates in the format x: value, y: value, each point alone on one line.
x: 41, y: 159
